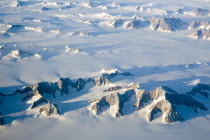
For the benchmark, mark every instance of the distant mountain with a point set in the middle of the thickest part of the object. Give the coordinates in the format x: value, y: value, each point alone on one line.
x: 166, y: 23
x: 44, y: 94
x: 201, y: 34
x: 162, y: 99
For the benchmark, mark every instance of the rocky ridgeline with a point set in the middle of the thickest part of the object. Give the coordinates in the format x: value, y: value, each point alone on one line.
x: 166, y: 23
x: 162, y: 99
x: 201, y: 34
x: 199, y: 25
x: 41, y: 96
x: 201, y: 12
x: 44, y: 92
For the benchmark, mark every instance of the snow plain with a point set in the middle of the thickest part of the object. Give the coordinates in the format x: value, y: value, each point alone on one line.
x: 155, y: 58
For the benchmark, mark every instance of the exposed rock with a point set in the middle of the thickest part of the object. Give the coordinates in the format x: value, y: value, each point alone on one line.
x: 105, y: 78
x: 139, y: 8
x: 50, y: 109
x: 63, y: 84
x: 166, y: 24
x: 170, y: 113
x: 180, y: 11
x: 66, y: 7
x: 201, y: 12
x: 50, y: 88
x: 134, y: 85
x: 111, y: 89
x: 17, y: 3
x: 199, y: 25
x: 201, y: 34
x: 116, y: 99
x: 201, y: 89
x: 116, y: 88
x: 1, y: 121
x: 116, y: 22
x: 45, y: 9
x: 160, y: 92
x: 132, y: 24
x: 38, y: 102
x: 20, y: 53
x: 187, y: 100
x: 2, y: 47
x: 142, y: 97
x: 14, y: 28
x: 164, y: 100
x: 44, y: 88
x: 80, y: 83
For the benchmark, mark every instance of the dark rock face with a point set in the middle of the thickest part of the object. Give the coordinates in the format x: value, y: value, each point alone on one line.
x: 105, y: 78
x: 50, y: 109
x: 14, y: 28
x: 116, y: 88
x: 202, y: 34
x: 184, y: 99
x: 166, y: 24
x: 170, y: 112
x: 66, y: 7
x: 133, y: 24
x: 113, y: 89
x: 142, y: 97
x: 164, y: 100
x: 117, y: 22
x: 201, y: 89
x: 1, y: 121
x: 197, y: 24
x: 45, y: 9
x: 63, y: 84
x: 49, y: 88
x: 38, y: 102
x: 119, y: 100
x: 201, y: 12
x: 180, y: 11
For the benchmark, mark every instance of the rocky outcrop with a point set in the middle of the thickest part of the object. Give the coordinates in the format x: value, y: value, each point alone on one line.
x: 105, y: 78
x: 49, y: 88
x: 115, y: 99
x: 201, y: 34
x: 170, y: 112
x: 66, y: 7
x: 180, y: 11
x: 111, y: 89
x: 133, y: 24
x: 116, y: 88
x: 118, y: 100
x: 116, y: 22
x: 163, y: 100
x: 166, y: 23
x: 142, y: 97
x: 199, y: 25
x: 201, y: 89
x: 1, y: 121
x: 38, y: 102
x: 201, y: 12
x: 49, y: 109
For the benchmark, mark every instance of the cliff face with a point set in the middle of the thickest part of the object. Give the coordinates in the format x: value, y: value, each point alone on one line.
x: 49, y: 109
x: 162, y: 99
x: 166, y: 24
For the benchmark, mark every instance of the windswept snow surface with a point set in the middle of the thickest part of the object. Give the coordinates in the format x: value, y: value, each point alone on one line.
x: 44, y: 40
